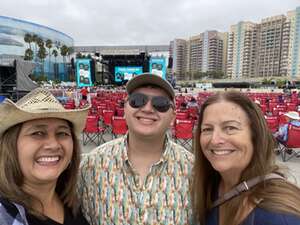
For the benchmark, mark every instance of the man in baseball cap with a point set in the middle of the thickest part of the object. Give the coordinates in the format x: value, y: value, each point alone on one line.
x: 142, y: 177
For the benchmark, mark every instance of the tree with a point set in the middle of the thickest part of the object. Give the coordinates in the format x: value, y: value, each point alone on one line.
x: 55, y: 54
x: 40, y: 42
x: 28, y: 38
x: 49, y: 46
x: 64, y: 51
x: 42, y: 54
x: 34, y: 40
x: 281, y: 83
x: 28, y: 54
x: 78, y: 55
x: 197, y: 75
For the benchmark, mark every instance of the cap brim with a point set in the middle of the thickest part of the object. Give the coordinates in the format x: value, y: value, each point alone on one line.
x: 149, y: 79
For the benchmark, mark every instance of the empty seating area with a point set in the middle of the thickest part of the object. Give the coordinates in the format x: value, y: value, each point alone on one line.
x: 106, y: 117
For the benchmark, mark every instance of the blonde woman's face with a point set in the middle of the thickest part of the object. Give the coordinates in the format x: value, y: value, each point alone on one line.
x: 225, y: 138
x: 45, y: 148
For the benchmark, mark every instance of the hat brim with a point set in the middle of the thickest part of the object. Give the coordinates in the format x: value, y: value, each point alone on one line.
x: 11, y: 114
x: 292, y: 117
x: 149, y: 79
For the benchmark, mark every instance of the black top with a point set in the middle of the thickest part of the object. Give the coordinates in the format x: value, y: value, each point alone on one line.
x: 69, y: 219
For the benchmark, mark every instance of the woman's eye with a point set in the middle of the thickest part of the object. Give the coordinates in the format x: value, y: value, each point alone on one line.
x: 230, y: 128
x: 206, y: 129
x: 37, y: 133
x: 63, y: 134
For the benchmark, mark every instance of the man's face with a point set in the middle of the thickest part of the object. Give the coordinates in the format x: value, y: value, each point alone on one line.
x: 146, y: 121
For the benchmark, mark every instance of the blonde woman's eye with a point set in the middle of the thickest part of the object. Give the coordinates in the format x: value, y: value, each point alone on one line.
x: 206, y: 129
x: 230, y: 129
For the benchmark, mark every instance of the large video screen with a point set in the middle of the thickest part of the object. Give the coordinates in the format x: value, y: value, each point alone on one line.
x: 158, y: 66
x: 83, y: 72
x: 126, y: 73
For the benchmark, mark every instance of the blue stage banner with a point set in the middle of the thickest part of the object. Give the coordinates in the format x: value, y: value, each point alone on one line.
x: 158, y: 66
x: 126, y: 73
x: 83, y: 72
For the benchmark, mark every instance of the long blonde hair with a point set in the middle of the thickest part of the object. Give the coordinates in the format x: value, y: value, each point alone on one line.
x: 277, y: 195
x: 11, y: 177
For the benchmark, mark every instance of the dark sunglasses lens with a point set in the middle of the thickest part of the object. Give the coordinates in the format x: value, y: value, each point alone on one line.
x: 137, y: 100
x: 161, y: 103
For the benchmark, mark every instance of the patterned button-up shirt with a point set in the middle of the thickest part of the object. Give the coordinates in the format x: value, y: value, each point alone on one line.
x: 113, y: 193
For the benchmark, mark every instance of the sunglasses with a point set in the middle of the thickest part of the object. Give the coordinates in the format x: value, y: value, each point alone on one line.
x: 159, y: 103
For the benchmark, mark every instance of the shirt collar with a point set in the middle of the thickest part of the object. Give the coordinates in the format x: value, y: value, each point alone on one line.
x: 164, y: 157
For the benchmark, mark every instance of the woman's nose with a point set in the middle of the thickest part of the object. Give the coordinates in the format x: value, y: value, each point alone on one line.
x: 217, y: 137
x: 51, y: 142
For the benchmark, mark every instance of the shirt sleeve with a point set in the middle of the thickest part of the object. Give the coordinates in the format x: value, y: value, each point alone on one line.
x: 83, y: 190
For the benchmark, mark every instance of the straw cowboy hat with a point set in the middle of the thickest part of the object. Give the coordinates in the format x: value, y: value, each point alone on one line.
x: 293, y: 115
x: 39, y: 104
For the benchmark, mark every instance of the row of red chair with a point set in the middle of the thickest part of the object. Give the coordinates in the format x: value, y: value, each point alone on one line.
x: 94, y: 130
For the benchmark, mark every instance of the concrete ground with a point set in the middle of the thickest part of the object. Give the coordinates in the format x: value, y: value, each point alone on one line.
x: 292, y: 166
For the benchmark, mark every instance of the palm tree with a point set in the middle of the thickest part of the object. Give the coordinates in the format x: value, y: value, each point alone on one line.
x: 28, y: 54
x: 28, y: 38
x: 55, y: 54
x: 42, y: 54
x: 49, y: 46
x: 70, y: 52
x: 34, y: 40
x: 64, y: 51
x: 40, y: 42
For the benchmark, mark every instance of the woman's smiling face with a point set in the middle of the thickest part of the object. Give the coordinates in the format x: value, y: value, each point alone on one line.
x: 45, y: 148
x: 225, y: 137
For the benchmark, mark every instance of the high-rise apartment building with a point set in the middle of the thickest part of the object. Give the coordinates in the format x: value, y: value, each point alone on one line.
x: 194, y: 56
x: 206, y: 52
x: 201, y: 53
x: 293, y: 59
x: 178, y: 51
x: 271, y: 46
x: 242, y: 50
x: 268, y: 49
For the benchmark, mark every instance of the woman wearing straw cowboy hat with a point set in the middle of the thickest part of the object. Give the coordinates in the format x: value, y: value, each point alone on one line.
x: 39, y: 160
x: 294, y: 119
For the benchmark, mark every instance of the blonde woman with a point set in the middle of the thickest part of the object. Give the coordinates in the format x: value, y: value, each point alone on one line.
x: 236, y: 180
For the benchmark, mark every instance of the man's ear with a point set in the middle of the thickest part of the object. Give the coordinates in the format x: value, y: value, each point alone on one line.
x: 172, y: 123
x: 126, y: 99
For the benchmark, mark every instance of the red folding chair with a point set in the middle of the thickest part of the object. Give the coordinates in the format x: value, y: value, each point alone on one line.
x: 119, y: 126
x: 291, y: 147
x: 120, y: 111
x: 291, y: 107
x: 272, y: 122
x: 107, y: 119
x: 193, y: 112
x: 182, y: 115
x: 183, y: 133
x: 92, y: 131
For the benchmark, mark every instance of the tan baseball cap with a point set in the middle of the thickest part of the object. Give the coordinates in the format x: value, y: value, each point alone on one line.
x: 150, y: 79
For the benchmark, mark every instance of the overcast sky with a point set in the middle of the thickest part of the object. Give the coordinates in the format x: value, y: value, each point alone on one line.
x: 141, y: 22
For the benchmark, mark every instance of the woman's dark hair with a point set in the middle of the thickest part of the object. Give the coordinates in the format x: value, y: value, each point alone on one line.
x: 11, y: 177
